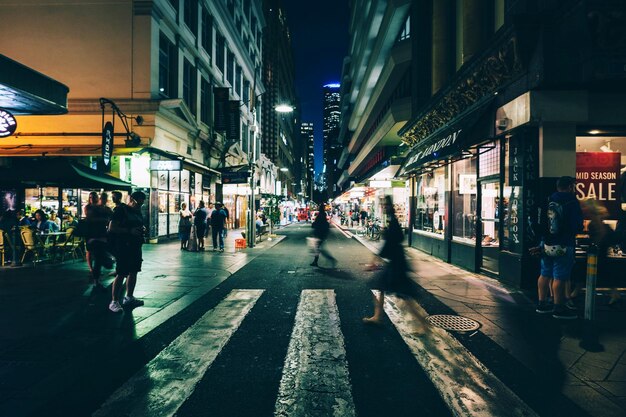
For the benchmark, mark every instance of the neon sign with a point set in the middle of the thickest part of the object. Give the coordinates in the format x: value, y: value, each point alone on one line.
x: 8, y: 124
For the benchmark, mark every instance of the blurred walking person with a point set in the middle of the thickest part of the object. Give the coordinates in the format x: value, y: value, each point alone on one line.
x: 393, y: 277
x: 321, y: 229
x: 128, y: 230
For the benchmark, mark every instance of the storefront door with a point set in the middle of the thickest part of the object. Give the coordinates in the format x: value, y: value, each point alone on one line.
x: 490, y: 223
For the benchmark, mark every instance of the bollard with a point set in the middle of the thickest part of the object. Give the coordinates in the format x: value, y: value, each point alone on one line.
x: 590, y: 338
x: 592, y: 276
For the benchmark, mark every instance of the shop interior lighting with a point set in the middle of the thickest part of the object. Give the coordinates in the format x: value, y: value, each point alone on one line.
x: 594, y: 132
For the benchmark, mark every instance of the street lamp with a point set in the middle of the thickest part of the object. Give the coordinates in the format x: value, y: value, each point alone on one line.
x: 284, y: 108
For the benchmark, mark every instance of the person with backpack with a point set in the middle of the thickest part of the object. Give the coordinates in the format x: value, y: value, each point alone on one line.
x: 563, y: 220
x: 218, y: 223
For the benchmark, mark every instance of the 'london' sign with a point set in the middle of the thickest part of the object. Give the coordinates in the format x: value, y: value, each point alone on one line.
x: 433, y: 148
x: 8, y: 124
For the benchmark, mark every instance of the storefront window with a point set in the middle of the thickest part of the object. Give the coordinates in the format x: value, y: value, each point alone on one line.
x: 430, y: 208
x: 464, y: 200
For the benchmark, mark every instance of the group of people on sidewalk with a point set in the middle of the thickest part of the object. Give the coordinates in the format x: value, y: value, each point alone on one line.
x: 563, y: 220
x: 115, y: 235
x: 194, y: 227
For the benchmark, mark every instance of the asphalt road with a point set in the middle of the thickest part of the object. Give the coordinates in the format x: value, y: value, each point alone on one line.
x: 280, y: 337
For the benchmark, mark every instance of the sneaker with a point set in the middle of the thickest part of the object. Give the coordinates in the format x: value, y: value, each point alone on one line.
x: 214, y: 249
x: 131, y: 302
x: 221, y: 249
x: 115, y: 307
x: 314, y: 264
x: 570, y: 304
x: 544, y: 308
x: 564, y: 314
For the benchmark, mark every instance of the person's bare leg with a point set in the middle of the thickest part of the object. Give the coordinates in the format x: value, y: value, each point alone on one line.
x: 116, y: 287
x: 379, y: 303
x: 558, y: 291
x: 543, y: 284
x: 130, y: 284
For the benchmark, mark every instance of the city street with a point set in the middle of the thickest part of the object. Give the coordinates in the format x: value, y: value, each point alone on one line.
x: 260, y: 332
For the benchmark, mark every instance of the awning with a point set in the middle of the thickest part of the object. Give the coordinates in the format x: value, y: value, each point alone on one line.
x: 26, y: 91
x: 58, y: 172
x: 449, y: 141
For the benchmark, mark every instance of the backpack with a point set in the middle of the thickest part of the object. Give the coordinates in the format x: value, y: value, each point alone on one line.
x: 556, y: 218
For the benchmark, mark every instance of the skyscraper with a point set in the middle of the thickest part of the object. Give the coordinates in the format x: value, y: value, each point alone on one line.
x: 331, y: 134
x: 308, y: 141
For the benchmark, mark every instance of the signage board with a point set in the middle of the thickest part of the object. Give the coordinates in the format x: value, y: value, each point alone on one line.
x: 8, y: 124
x: 107, y: 146
x: 240, y: 177
x: 597, y: 177
x: 166, y: 165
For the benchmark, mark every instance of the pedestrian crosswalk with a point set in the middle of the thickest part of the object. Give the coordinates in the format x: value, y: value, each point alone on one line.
x: 316, y: 375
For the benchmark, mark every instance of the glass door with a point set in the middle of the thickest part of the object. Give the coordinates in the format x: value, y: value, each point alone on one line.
x: 490, y: 223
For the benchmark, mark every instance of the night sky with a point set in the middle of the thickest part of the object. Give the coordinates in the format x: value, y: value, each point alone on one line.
x: 320, y: 42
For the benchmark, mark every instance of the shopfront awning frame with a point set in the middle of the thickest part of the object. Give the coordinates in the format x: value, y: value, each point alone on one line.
x: 58, y: 172
x: 435, y: 151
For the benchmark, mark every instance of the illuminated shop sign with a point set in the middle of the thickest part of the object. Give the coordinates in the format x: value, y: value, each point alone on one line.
x: 107, y: 145
x: 8, y: 124
x: 166, y: 165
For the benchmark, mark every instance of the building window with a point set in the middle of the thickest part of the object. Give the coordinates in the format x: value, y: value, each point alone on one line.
x: 205, y: 101
x: 220, y: 45
x: 464, y: 200
x: 207, y: 31
x: 174, y: 4
x: 238, y: 81
x: 230, y: 69
x: 191, y: 15
x: 189, y: 86
x: 431, y: 207
x: 405, y: 32
x: 230, y: 5
x: 246, y: 92
x: 168, y: 67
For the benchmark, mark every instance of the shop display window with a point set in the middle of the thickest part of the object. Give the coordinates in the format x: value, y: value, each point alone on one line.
x: 490, y: 216
x: 601, y: 176
x: 431, y: 207
x: 464, y: 200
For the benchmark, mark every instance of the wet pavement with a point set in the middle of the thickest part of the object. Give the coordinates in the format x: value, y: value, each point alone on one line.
x: 543, y: 348
x: 209, y: 347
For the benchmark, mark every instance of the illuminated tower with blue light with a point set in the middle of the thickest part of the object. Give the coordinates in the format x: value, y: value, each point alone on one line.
x: 331, y: 133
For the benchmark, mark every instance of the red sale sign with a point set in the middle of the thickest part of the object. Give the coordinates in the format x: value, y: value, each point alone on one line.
x: 597, y: 177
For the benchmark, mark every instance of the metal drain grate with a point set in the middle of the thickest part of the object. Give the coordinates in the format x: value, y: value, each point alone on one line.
x: 453, y: 323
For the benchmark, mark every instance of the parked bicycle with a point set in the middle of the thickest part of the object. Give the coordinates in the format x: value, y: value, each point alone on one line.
x: 372, y: 229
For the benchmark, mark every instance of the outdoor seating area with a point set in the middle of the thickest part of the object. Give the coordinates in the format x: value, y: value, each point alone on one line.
x: 34, y: 247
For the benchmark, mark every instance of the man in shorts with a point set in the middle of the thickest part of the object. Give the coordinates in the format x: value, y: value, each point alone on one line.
x: 564, y: 220
x: 127, y: 232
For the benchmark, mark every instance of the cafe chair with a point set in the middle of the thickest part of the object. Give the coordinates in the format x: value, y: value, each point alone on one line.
x: 66, y: 246
x: 32, y: 245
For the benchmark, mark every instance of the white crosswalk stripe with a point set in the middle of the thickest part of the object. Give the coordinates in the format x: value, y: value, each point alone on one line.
x: 315, y: 379
x: 464, y: 383
x: 163, y: 385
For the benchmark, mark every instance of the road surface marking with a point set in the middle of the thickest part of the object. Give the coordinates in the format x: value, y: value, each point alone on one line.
x: 464, y: 383
x: 315, y: 379
x: 161, y: 387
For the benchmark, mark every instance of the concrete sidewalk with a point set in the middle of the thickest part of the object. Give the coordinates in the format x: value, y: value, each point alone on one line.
x: 548, y: 348
x: 58, y: 333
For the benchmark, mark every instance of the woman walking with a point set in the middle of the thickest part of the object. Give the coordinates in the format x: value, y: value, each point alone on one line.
x: 321, y: 228
x: 184, y: 226
x: 394, y: 275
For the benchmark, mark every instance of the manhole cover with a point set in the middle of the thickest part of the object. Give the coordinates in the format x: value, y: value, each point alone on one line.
x: 454, y: 323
